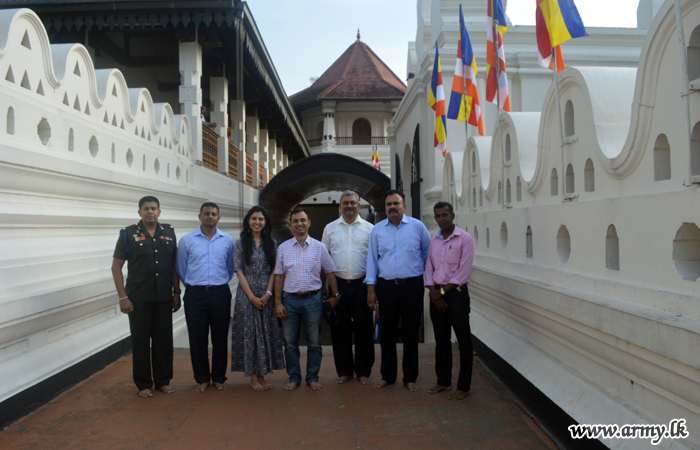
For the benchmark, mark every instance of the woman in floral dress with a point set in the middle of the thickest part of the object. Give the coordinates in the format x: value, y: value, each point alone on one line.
x: 256, y: 348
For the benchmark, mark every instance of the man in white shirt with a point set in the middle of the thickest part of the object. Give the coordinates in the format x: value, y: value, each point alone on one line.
x: 347, y: 240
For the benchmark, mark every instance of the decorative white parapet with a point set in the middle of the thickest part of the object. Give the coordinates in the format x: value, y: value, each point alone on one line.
x: 587, y: 269
x: 78, y: 148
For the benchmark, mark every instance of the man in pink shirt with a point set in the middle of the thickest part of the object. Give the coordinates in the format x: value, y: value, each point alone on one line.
x: 298, y: 301
x: 447, y: 272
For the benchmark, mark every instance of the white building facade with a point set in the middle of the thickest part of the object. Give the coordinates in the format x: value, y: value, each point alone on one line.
x: 79, y: 148
x: 587, y: 243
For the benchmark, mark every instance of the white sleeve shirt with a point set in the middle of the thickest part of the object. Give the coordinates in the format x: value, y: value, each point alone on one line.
x: 348, y: 245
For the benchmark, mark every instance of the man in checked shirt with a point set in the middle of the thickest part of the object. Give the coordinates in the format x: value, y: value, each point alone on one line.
x: 298, y: 297
x: 447, y: 272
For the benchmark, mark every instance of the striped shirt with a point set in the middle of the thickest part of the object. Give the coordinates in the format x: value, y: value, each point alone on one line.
x: 302, y: 266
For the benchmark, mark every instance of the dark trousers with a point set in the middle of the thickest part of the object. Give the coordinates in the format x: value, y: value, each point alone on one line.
x: 457, y: 317
x: 354, y: 317
x: 204, y: 310
x: 151, y: 325
x: 402, y: 302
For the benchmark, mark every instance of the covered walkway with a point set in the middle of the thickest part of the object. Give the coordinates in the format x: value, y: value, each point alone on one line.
x: 104, y: 412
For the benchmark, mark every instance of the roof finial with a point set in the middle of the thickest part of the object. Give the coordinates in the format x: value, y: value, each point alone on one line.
x: 358, y: 33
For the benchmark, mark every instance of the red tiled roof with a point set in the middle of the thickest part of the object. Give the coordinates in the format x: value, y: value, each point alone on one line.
x: 358, y: 74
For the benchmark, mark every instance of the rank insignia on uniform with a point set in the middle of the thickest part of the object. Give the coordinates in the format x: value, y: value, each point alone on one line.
x: 167, y: 238
x: 135, y: 235
x: 140, y: 238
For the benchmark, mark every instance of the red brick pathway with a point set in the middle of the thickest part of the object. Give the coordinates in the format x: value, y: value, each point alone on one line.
x: 104, y: 412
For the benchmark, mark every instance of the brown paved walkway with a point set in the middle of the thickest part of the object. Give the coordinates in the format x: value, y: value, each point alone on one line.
x: 104, y: 412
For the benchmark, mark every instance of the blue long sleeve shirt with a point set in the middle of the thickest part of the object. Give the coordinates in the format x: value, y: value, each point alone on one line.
x: 204, y: 262
x: 397, y: 252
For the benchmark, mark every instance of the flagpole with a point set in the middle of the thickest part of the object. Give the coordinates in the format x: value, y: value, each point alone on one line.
x: 498, y: 102
x: 561, y: 127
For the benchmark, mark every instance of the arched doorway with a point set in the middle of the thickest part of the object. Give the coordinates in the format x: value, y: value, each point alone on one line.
x: 361, y: 132
x: 321, y: 173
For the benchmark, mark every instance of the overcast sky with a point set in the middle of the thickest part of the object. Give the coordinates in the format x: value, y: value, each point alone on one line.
x: 304, y: 37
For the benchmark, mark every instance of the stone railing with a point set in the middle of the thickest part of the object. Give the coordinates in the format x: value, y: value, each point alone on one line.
x: 374, y: 140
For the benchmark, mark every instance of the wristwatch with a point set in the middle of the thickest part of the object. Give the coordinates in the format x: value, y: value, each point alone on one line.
x: 442, y: 291
x: 337, y: 295
x: 177, y: 291
x: 268, y: 293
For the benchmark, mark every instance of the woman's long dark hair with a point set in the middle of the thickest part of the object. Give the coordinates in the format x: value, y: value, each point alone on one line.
x: 268, y: 244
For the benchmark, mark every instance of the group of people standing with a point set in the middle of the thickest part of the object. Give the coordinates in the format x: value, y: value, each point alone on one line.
x: 372, y: 271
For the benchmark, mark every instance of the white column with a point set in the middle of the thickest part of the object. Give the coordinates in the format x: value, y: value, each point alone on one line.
x: 280, y: 158
x: 328, y: 142
x: 252, y: 127
x: 218, y: 91
x: 263, y: 151
x: 272, y: 153
x: 238, y: 132
x: 191, y: 91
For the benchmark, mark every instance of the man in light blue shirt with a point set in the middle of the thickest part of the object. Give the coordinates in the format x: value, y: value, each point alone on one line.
x: 398, y: 248
x: 205, y: 265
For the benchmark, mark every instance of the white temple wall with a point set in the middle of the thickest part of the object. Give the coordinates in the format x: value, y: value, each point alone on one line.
x: 606, y: 325
x: 71, y: 176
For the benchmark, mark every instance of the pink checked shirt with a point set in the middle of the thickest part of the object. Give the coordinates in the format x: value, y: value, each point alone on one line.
x: 301, y: 266
x: 450, y: 260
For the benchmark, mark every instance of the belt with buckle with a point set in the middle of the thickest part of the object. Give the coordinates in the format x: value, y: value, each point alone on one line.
x: 304, y: 294
x: 458, y: 288
x: 400, y: 280
x: 205, y: 288
x: 343, y: 280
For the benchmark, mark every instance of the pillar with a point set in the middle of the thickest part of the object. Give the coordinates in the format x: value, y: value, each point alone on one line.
x: 272, y: 153
x: 238, y: 132
x: 328, y: 142
x: 190, y: 64
x: 218, y: 92
x: 280, y: 157
x: 263, y: 150
x: 252, y: 126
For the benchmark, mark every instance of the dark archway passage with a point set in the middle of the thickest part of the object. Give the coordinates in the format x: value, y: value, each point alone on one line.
x: 321, y: 173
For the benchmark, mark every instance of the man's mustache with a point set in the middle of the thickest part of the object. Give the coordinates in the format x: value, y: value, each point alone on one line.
x: 393, y: 210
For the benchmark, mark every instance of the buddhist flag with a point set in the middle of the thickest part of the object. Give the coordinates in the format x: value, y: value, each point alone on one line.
x: 437, y: 102
x: 465, y: 70
x: 494, y: 81
x: 557, y: 21
x: 375, y: 157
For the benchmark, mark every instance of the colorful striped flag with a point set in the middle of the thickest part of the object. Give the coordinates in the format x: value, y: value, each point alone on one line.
x: 374, y: 158
x: 495, y: 81
x: 436, y: 100
x: 459, y: 108
x: 376, y: 150
x: 557, y: 21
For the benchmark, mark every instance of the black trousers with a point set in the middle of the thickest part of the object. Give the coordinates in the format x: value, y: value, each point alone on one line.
x: 402, y: 302
x: 204, y: 310
x: 355, y: 317
x: 151, y: 326
x: 457, y: 317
